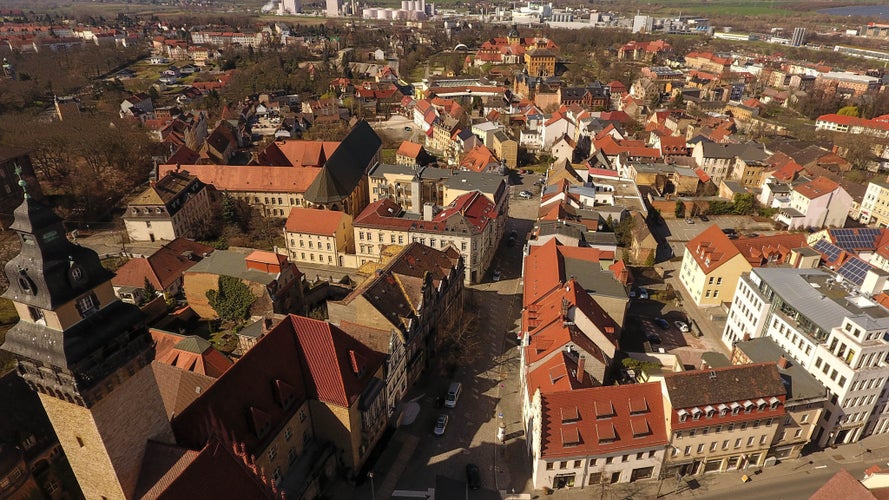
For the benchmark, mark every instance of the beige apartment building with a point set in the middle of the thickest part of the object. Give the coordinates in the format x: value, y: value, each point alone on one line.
x: 176, y: 206
x: 319, y: 237
x: 805, y: 401
x: 722, y: 419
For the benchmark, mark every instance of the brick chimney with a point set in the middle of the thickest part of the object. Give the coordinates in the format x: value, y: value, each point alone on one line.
x: 782, y: 362
x: 746, y: 337
x: 579, y: 373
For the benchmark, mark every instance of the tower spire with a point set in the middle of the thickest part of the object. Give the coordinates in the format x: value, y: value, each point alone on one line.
x: 22, y: 182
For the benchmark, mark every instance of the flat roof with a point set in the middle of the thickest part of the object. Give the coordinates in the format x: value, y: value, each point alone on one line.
x: 800, y: 384
x: 823, y: 302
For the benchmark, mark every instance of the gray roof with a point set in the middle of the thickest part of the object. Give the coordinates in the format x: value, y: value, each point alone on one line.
x: 800, y: 384
x: 601, y: 238
x: 746, y: 151
x: 344, y: 169
x: 594, y: 279
x: 229, y: 263
x: 825, y: 305
x: 482, y: 181
x: 722, y: 385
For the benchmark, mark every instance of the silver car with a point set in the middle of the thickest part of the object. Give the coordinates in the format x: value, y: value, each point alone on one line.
x: 440, y: 425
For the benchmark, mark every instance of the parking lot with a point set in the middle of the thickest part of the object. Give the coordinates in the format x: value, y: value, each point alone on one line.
x: 678, y: 232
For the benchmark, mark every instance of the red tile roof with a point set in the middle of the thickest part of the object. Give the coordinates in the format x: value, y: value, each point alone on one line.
x: 313, y: 221
x: 842, y: 485
x: 478, y: 159
x: 338, y: 365
x: 545, y: 269
x: 602, y: 420
x: 179, y: 351
x: 250, y: 178
x: 297, y: 153
x: 711, y: 249
x: 769, y: 249
x: 163, y: 267
x: 472, y: 210
x: 816, y: 188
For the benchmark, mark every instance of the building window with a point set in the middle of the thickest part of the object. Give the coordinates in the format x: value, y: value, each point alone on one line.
x: 273, y: 452
x: 549, y: 466
x: 563, y: 465
x: 87, y: 305
x: 288, y: 433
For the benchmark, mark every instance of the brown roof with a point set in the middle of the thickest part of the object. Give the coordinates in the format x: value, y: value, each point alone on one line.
x: 409, y: 149
x: 296, y: 153
x: 164, y: 266
x: 772, y: 248
x: 842, y: 485
x: 730, y: 383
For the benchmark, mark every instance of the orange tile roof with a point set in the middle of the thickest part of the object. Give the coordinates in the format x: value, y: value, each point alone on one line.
x: 265, y: 257
x: 769, y: 249
x: 816, y: 188
x: 711, y: 249
x: 300, y: 153
x: 478, y: 159
x: 409, y: 149
x: 544, y: 267
x: 602, y: 420
x: 313, y: 221
x: 250, y: 178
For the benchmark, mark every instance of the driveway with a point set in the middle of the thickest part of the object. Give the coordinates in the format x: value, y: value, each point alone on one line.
x: 677, y: 232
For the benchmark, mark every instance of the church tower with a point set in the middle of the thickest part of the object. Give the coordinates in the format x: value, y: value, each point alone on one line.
x: 513, y: 38
x: 86, y: 353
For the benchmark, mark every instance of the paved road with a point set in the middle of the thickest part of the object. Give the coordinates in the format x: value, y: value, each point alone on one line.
x: 490, y: 389
x: 790, y: 480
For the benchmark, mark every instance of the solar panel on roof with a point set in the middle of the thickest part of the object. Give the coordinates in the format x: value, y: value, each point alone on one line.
x: 854, y: 270
x: 853, y: 239
x: 830, y: 251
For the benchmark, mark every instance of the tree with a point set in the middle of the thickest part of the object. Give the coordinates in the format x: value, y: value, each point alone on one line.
x: 232, y: 300
x: 848, y: 111
x: 680, y: 209
x: 744, y: 204
x: 624, y: 230
x: 149, y: 289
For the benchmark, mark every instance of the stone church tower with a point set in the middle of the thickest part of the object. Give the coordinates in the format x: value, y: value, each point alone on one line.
x: 86, y: 353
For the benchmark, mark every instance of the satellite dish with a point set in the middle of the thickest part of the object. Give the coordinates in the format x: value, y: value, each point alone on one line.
x: 839, y: 279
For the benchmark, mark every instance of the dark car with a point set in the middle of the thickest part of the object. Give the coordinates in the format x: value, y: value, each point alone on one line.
x: 704, y: 218
x: 473, y: 477
x: 653, y: 338
x: 661, y: 322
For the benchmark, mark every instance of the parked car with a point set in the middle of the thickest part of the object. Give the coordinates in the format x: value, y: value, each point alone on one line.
x: 643, y: 293
x: 525, y: 195
x: 408, y: 129
x: 689, y: 220
x: 440, y: 425
x: 510, y: 242
x: 661, y: 322
x: 473, y: 477
x: 497, y: 275
x: 682, y: 326
x: 704, y: 218
x: 653, y: 338
x: 632, y: 293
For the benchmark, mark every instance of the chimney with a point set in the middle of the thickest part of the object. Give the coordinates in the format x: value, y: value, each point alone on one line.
x: 565, y: 304
x: 782, y: 362
x: 746, y: 337
x: 428, y: 211
x: 579, y: 373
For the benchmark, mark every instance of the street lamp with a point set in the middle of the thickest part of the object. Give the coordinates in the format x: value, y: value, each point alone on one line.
x: 373, y: 492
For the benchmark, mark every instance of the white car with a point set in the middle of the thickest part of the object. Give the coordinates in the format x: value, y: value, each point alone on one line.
x: 682, y: 326
x: 440, y: 425
x: 525, y: 195
x: 497, y: 275
x: 643, y: 293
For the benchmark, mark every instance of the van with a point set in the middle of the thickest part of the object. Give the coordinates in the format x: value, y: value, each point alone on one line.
x: 453, y: 394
